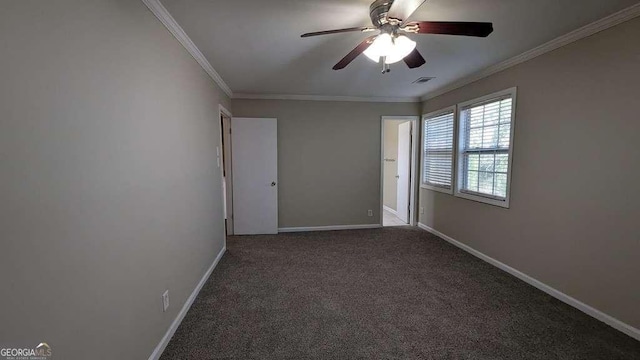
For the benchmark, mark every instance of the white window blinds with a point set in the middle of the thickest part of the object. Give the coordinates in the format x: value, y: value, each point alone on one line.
x: 438, y: 150
x: 485, y: 135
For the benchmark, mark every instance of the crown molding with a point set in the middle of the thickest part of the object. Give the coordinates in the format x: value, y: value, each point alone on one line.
x: 176, y: 30
x: 326, y: 98
x: 581, y: 33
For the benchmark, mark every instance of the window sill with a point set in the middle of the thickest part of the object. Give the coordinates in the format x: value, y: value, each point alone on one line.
x: 437, y: 188
x: 482, y: 199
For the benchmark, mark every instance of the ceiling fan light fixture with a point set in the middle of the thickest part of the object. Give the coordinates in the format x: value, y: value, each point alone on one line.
x: 393, y: 49
x: 381, y: 46
x: 403, y: 47
x: 390, y: 17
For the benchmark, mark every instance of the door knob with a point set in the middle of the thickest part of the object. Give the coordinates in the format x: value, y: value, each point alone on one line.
x: 273, y: 183
x: 397, y: 176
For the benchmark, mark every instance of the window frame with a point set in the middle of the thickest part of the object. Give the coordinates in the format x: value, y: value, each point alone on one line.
x: 453, y: 110
x: 460, y: 173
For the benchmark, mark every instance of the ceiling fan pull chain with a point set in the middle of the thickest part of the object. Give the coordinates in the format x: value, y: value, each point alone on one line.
x: 385, y: 66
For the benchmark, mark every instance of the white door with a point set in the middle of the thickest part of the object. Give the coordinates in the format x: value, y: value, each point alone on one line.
x: 404, y: 172
x: 254, y: 158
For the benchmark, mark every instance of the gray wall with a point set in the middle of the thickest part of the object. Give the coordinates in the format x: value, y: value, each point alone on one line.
x: 575, y: 205
x: 328, y: 158
x: 109, y: 192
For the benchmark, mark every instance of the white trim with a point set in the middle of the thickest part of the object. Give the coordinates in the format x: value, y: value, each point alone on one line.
x: 327, y: 98
x: 170, y: 23
x: 415, y: 157
x: 440, y: 112
x: 386, y: 208
x: 157, y: 352
x: 329, y: 228
x: 382, y: 172
x: 225, y: 111
x: 607, y: 319
x: 581, y: 33
x: 512, y: 93
x: 227, y: 225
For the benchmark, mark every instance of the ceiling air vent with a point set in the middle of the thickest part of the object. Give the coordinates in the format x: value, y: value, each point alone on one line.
x: 422, y: 80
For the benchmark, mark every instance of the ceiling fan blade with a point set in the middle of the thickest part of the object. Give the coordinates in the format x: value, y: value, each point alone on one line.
x: 480, y: 29
x: 402, y: 9
x: 414, y: 59
x: 337, y: 31
x: 364, y: 45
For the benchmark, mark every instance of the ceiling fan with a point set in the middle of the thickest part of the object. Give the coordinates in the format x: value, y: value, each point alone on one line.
x: 391, y: 45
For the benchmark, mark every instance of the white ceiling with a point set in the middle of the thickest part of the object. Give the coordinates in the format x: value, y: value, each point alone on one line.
x: 255, y: 45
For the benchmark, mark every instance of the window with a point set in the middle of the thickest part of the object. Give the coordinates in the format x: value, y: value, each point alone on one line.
x: 437, y: 150
x: 485, y: 143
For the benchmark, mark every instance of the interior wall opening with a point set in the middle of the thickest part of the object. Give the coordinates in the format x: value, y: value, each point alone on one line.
x: 398, y: 170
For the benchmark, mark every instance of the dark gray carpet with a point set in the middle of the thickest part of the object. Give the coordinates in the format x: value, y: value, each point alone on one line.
x: 393, y: 293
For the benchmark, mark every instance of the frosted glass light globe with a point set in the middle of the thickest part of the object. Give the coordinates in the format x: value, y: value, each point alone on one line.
x: 393, y: 49
x: 382, y: 46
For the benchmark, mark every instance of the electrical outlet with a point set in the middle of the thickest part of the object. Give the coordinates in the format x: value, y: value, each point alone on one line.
x: 421, y: 210
x: 165, y: 301
x: 370, y: 212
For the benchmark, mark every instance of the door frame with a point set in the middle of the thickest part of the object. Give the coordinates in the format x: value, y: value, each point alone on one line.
x: 413, y: 186
x: 227, y: 229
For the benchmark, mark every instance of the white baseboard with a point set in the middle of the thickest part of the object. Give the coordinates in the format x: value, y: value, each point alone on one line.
x: 187, y: 305
x: 607, y: 319
x: 390, y: 210
x: 328, y: 228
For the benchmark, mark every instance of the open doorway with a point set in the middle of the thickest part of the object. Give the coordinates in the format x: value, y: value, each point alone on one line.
x: 398, y: 170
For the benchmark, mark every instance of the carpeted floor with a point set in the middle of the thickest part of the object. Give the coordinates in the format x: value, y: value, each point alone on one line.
x: 392, y: 293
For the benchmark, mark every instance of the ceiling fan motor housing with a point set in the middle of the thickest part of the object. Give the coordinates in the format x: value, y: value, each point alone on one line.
x: 378, y: 12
